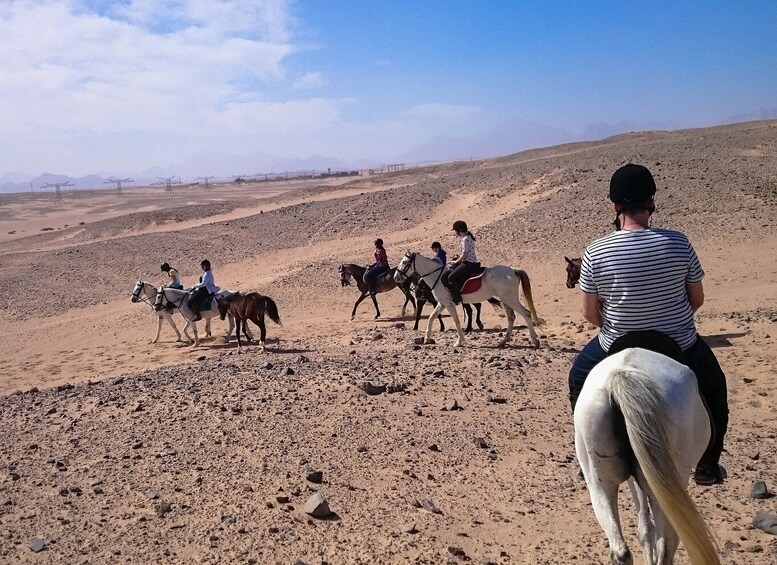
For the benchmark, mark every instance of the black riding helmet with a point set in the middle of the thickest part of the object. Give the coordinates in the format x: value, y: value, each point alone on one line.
x: 205, y: 263
x: 460, y: 225
x: 165, y: 266
x: 436, y: 245
x: 632, y: 185
x: 379, y: 242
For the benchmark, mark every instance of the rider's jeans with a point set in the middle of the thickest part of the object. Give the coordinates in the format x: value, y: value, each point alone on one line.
x: 709, y: 375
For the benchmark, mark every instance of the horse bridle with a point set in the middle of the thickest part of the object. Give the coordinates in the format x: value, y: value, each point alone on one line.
x: 411, y: 256
x: 345, y: 276
x: 173, y: 302
x: 141, y: 286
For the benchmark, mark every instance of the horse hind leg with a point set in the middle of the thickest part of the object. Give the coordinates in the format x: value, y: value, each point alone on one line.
x: 526, y: 315
x: 259, y: 321
x: 468, y: 316
x: 645, y: 529
x: 477, y: 317
x: 359, y: 301
x: 510, y: 313
x: 418, y: 308
x: 604, y: 499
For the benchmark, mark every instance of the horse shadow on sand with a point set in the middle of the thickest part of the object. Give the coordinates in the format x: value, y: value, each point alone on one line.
x: 716, y: 341
x: 271, y: 346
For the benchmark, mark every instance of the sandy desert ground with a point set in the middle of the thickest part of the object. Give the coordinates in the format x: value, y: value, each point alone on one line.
x: 116, y: 450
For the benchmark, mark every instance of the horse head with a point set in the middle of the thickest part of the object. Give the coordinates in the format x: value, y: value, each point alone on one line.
x: 160, y: 297
x: 573, y: 270
x: 403, y: 270
x: 135, y: 297
x: 345, y: 276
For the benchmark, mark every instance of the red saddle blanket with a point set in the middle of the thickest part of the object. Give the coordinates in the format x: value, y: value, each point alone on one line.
x: 472, y: 284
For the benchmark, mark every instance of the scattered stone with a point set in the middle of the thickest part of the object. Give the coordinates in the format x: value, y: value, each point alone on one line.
x: 282, y: 499
x: 395, y: 387
x: 429, y: 506
x: 434, y: 447
x: 137, y: 445
x: 201, y: 358
x: 450, y: 405
x: 64, y: 387
x: 496, y: 399
x: 97, y: 489
x: 152, y: 495
x: 303, y: 359
x: 361, y: 449
x: 314, y: 476
x: 317, y: 506
x: 51, y: 411
x: 228, y: 519
x: 400, y: 325
x: 754, y: 456
x: 373, y: 388
x: 36, y: 545
x: 138, y: 407
x: 376, y: 336
x: 760, y: 491
x: 766, y: 522
x: 756, y: 548
x: 409, y: 528
x: 457, y: 551
x: 287, y: 371
x: 163, y: 508
x: 481, y: 443
x: 266, y: 365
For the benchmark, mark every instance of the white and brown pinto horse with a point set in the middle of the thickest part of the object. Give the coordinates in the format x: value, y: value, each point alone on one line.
x: 500, y: 282
x: 146, y: 292
x: 640, y: 418
x: 170, y: 297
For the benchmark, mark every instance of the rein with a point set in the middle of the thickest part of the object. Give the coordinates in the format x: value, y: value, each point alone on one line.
x: 142, y: 288
x: 173, y: 302
x: 412, y: 256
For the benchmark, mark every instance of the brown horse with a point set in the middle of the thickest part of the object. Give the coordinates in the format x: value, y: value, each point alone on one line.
x: 573, y: 270
x: 385, y: 283
x: 252, y: 306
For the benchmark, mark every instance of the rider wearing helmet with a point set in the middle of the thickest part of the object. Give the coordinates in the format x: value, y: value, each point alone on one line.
x: 640, y: 278
x: 465, y: 265
x: 203, y: 289
x: 439, y: 254
x: 378, y: 268
x: 175, y: 279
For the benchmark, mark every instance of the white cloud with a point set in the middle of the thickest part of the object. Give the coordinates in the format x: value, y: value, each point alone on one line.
x: 310, y: 81
x: 73, y: 76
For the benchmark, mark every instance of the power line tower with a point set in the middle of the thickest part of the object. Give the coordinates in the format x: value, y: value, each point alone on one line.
x: 168, y: 182
x: 207, y: 185
x: 57, y: 186
x: 117, y: 182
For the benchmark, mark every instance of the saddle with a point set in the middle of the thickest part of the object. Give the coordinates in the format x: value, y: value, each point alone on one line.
x: 652, y: 341
x: 473, y: 283
x: 204, y: 305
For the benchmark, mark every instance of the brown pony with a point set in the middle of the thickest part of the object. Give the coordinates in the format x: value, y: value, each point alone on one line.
x: 252, y: 306
x: 573, y: 270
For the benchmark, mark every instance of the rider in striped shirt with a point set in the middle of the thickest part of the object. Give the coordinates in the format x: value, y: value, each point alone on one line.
x: 641, y: 278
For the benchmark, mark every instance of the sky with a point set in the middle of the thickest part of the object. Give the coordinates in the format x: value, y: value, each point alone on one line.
x: 99, y: 85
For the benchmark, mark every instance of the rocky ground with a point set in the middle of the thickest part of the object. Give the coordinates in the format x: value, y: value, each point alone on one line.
x: 115, y: 450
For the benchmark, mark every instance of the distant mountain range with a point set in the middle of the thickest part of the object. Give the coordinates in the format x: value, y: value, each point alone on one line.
x: 510, y: 137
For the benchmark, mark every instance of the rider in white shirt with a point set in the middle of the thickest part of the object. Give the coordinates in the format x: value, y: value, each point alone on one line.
x: 202, y: 289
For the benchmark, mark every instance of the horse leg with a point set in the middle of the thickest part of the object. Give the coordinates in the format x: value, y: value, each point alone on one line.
x: 408, y: 298
x: 430, y: 322
x: 196, y: 337
x: 238, y: 322
x: 667, y: 539
x: 455, y: 316
x: 510, y: 313
x: 477, y: 318
x: 358, y: 301
x: 259, y: 321
x: 468, y: 317
x: 418, y: 308
x: 518, y: 307
x: 186, y: 331
x: 645, y: 530
x: 207, y: 327
x: 158, y: 329
x: 375, y: 302
x: 172, y: 324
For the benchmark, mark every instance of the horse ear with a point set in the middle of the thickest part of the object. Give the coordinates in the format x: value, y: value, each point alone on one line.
x: 567, y: 259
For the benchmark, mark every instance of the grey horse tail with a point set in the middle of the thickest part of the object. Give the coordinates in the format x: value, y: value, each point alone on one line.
x: 272, y: 310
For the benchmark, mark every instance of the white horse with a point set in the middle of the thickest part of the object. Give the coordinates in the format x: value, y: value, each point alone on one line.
x: 500, y: 282
x: 640, y: 418
x: 146, y: 292
x: 180, y: 299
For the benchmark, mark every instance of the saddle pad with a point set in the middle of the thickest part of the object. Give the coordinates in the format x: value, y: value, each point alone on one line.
x: 472, y: 285
x: 651, y: 340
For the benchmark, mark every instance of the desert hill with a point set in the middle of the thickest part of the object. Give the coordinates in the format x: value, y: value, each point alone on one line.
x: 116, y: 450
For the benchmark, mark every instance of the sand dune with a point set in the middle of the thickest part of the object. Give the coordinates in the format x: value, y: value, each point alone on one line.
x: 107, y: 429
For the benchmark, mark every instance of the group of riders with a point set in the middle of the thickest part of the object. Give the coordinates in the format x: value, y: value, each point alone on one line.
x: 636, y: 281
x: 200, y: 292
x: 455, y: 274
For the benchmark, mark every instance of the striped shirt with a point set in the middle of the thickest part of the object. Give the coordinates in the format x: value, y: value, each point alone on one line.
x: 641, y: 278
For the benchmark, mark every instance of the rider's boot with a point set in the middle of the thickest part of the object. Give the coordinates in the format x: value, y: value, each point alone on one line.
x: 455, y: 292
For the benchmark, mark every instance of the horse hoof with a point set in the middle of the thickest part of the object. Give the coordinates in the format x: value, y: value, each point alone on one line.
x: 458, y: 344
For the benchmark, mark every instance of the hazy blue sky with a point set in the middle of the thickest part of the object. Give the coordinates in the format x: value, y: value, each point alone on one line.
x: 102, y: 85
